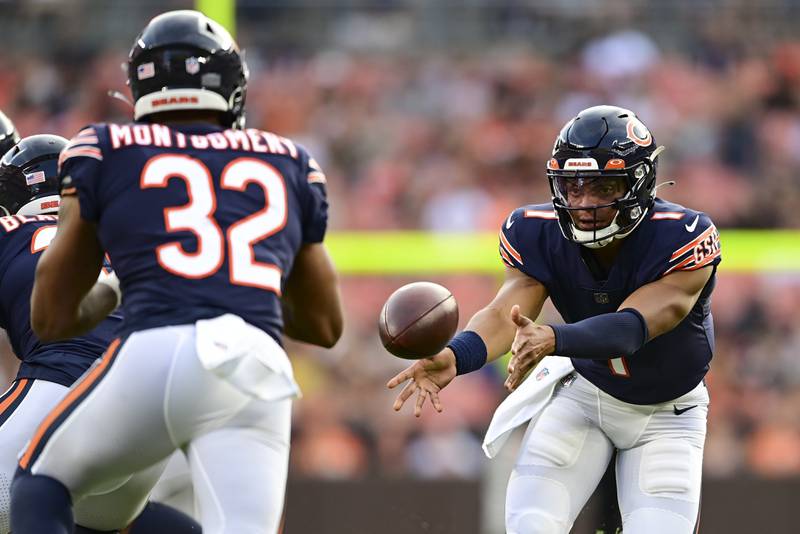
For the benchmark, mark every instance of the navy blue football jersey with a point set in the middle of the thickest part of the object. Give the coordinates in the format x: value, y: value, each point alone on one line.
x: 198, y: 220
x: 22, y: 241
x: 671, y: 238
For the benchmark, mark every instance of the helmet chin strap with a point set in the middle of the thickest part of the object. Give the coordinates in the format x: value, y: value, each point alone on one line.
x: 589, y: 239
x: 605, y: 238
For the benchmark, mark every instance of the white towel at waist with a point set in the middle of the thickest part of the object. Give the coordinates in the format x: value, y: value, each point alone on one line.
x: 526, y: 402
x: 246, y: 356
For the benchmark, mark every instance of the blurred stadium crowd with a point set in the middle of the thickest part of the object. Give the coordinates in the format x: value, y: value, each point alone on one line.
x: 451, y: 139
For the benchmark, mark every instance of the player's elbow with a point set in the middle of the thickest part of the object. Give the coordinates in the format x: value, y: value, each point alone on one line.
x: 670, y: 317
x: 46, y: 327
x: 47, y: 323
x: 321, y: 329
x: 328, y: 319
x: 329, y: 340
x: 329, y: 333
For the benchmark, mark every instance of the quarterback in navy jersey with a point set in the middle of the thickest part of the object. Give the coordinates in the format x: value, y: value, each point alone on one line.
x: 215, y: 233
x: 632, y: 277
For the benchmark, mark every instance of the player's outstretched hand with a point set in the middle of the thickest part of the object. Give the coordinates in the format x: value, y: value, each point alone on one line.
x: 427, y: 377
x: 531, y: 343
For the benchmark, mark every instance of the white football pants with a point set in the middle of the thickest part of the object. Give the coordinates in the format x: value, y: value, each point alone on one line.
x: 147, y: 399
x: 567, y: 448
x: 22, y: 408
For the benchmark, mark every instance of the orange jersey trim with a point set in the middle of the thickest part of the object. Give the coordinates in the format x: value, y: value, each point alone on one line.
x: 68, y: 401
x: 706, y: 261
x: 15, y: 393
x: 316, y: 177
x: 693, y: 243
x: 87, y: 151
x: 510, y: 249
x: 86, y: 131
x: 87, y: 140
x: 505, y: 257
x: 680, y: 265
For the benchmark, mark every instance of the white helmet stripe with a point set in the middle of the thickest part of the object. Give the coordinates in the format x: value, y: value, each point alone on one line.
x: 178, y: 99
x: 38, y: 206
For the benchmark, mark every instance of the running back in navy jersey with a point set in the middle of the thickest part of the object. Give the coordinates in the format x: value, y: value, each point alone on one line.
x: 198, y: 220
x: 22, y: 240
x: 672, y: 238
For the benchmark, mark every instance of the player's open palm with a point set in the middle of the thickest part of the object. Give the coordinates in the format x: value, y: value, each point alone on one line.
x: 427, y: 377
x: 532, y: 342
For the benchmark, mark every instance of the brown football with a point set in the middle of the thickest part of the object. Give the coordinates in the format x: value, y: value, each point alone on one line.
x: 418, y: 320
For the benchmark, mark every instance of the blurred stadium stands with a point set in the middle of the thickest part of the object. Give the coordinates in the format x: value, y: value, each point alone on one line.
x: 440, y: 116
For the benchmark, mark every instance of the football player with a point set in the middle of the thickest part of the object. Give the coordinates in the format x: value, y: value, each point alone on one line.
x: 216, y: 235
x: 632, y: 276
x: 8, y: 362
x: 29, y: 199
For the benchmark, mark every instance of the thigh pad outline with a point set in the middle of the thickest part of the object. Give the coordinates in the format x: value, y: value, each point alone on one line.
x: 557, y: 438
x: 671, y: 468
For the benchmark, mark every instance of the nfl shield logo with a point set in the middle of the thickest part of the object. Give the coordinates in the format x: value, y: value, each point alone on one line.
x: 192, y: 65
x: 601, y: 298
x: 543, y: 373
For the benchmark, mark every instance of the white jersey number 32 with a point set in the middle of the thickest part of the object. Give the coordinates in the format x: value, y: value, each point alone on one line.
x: 198, y: 217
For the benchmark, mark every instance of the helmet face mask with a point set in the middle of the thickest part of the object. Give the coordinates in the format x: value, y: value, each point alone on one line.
x: 602, y: 175
x: 183, y: 60
x: 29, y: 183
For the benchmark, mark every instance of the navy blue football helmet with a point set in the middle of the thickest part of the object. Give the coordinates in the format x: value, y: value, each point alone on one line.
x: 183, y: 60
x: 29, y: 183
x: 608, y: 151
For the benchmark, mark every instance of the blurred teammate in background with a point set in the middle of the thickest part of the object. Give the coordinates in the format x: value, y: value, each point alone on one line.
x: 29, y: 201
x: 632, y: 276
x: 9, y: 364
x: 210, y: 229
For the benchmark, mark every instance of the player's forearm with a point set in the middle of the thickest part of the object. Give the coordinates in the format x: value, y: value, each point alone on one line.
x: 94, y: 308
x: 319, y: 324
x: 312, y: 302
x: 91, y: 311
x: 495, y: 329
x: 51, y: 316
x: 317, y: 328
x: 75, y: 256
x: 490, y: 332
x: 604, y: 336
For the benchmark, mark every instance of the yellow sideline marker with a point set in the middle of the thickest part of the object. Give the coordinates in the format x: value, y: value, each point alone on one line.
x: 416, y: 253
x: 222, y: 11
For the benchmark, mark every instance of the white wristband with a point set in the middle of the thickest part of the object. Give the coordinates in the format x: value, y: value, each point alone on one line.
x: 111, y: 280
